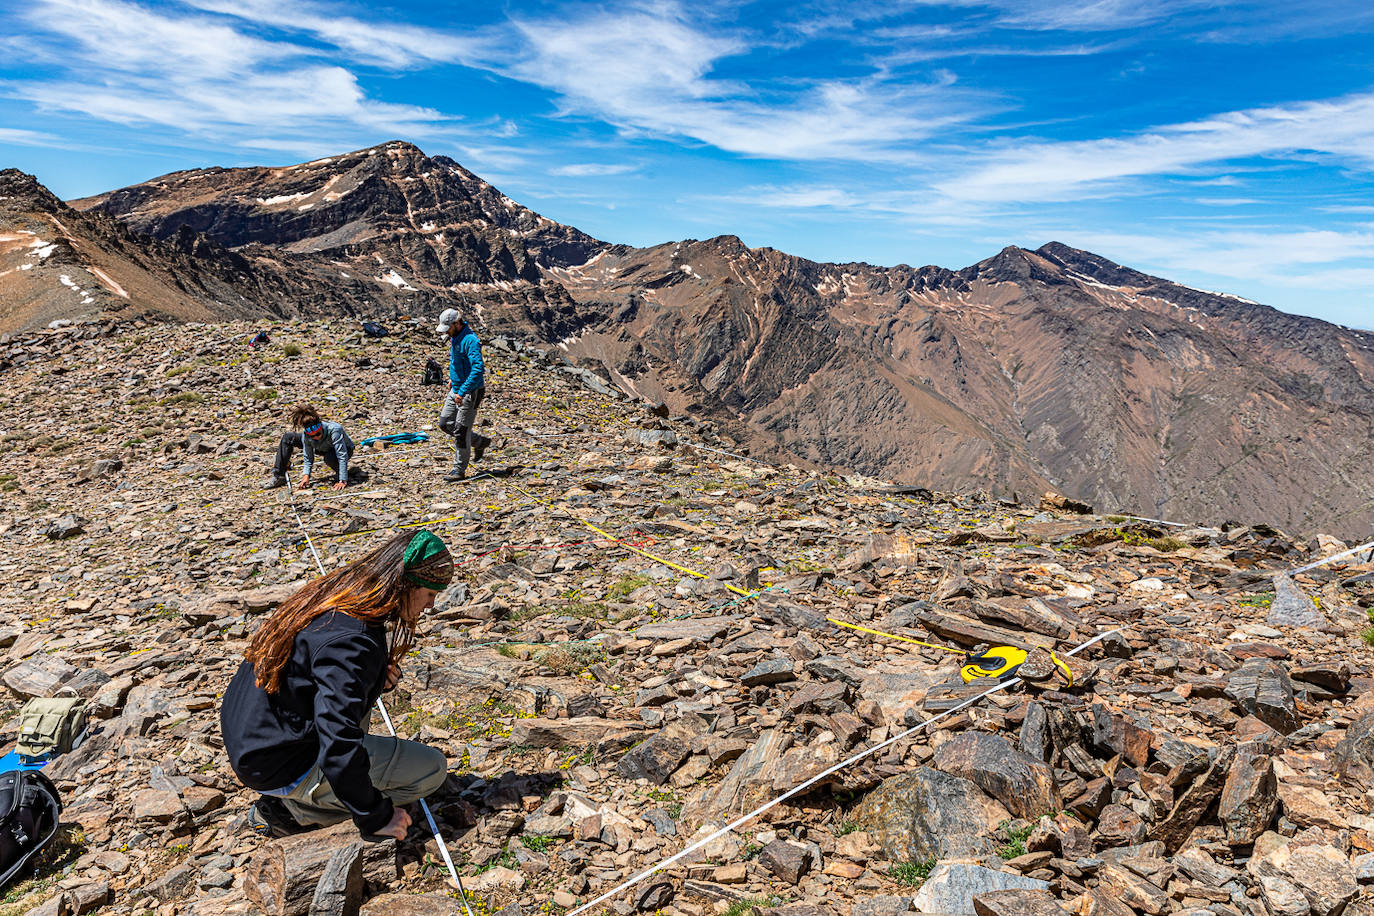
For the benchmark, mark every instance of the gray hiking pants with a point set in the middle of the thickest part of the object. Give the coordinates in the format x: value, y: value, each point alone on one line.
x: 456, y: 419
x: 403, y: 771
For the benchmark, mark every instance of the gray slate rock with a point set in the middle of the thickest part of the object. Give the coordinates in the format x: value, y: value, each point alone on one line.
x: 951, y: 887
x: 1262, y: 688
x: 1292, y: 608
x: 769, y: 671
x: 927, y: 814
x: 657, y: 758
x: 1022, y: 783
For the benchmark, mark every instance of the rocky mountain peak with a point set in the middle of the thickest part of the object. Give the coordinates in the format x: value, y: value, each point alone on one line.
x: 22, y: 191
x: 1015, y: 265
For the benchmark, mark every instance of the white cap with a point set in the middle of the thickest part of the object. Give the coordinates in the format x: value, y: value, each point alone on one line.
x: 447, y: 319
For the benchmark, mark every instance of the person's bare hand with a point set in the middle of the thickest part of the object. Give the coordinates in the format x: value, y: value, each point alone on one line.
x: 398, y: 826
x: 305, y: 483
x: 393, y: 677
x: 340, y: 484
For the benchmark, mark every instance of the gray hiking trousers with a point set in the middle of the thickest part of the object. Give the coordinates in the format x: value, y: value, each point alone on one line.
x: 403, y: 771
x: 456, y: 419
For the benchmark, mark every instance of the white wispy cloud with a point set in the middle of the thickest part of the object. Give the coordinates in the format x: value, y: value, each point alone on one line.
x: 651, y: 70
x: 22, y: 137
x: 192, y: 71
x: 1046, y: 171
x: 386, y: 44
x: 1310, y: 258
x: 593, y: 169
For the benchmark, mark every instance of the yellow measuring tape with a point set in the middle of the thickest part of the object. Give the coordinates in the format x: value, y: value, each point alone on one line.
x: 928, y: 645
x: 643, y: 553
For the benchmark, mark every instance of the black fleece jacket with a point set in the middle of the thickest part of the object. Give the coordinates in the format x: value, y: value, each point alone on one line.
x: 319, y: 716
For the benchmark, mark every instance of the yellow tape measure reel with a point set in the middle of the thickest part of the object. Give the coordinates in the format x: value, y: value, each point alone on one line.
x: 998, y: 662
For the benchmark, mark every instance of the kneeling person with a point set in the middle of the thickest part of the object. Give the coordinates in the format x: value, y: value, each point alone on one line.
x: 316, y: 438
x: 295, y: 714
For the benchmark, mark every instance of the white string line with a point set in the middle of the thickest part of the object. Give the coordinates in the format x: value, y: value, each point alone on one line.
x: 812, y: 781
x: 1331, y: 559
x: 1142, y: 518
x: 381, y: 707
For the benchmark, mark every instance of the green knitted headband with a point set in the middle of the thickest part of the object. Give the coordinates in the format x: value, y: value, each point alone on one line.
x: 427, y: 561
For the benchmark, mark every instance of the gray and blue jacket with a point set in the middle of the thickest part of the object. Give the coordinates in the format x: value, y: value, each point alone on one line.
x: 465, y: 368
x: 334, y: 446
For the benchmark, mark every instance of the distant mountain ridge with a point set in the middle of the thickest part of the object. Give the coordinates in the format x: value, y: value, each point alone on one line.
x: 1053, y: 368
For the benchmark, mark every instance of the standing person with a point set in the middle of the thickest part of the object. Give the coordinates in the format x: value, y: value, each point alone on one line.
x: 467, y: 386
x: 294, y: 719
x: 316, y: 436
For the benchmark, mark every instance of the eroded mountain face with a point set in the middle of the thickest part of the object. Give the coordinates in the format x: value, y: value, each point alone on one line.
x: 1031, y: 369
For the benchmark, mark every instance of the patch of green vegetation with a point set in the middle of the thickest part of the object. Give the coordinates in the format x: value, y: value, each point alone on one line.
x: 291, y: 350
x: 1016, y: 840
x: 179, y: 370
x: 562, y: 658
x: 262, y: 394
x: 505, y: 860
x: 912, y: 874
x: 1259, y: 599
x: 845, y: 828
x: 181, y: 397
x: 1367, y: 634
x: 537, y: 842
x: 746, y: 907
x: 9, y: 482
x: 1162, y: 544
x: 622, y: 589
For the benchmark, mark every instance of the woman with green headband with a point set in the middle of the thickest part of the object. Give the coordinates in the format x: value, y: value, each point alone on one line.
x: 295, y: 714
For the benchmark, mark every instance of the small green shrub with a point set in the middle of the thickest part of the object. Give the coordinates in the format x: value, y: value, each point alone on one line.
x: 182, y: 397
x: 913, y: 874
x: 1016, y: 840
x: 1367, y: 634
x: 262, y: 394
x: 746, y: 907
x: 291, y: 350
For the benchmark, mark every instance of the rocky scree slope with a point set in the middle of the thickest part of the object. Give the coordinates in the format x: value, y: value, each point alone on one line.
x: 600, y: 708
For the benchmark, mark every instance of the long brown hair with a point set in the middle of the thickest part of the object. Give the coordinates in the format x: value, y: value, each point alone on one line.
x: 372, y: 589
x: 303, y: 415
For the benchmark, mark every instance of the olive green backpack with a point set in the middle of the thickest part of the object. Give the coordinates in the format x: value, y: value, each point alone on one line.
x: 49, y: 726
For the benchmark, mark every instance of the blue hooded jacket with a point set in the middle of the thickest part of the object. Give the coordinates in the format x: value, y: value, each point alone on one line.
x: 465, y: 368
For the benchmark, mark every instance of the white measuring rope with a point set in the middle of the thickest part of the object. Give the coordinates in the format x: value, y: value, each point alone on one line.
x: 1142, y: 518
x: 1333, y: 558
x: 424, y: 805
x: 813, y: 780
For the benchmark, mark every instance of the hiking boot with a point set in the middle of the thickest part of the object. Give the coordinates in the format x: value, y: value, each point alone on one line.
x: 455, y: 475
x: 480, y: 445
x: 269, y: 817
x: 273, y: 482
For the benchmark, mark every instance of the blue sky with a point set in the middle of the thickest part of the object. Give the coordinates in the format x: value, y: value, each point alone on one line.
x: 1228, y: 146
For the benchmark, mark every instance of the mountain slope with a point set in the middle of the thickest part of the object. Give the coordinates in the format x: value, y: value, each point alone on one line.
x: 402, y: 231
x: 1031, y: 369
